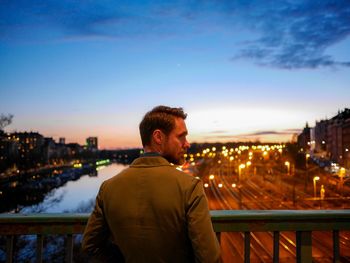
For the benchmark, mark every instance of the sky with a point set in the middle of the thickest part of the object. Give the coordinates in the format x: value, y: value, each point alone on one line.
x: 242, y: 70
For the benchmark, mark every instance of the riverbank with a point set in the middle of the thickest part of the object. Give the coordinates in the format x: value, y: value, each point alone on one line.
x: 19, y: 175
x: 31, y: 188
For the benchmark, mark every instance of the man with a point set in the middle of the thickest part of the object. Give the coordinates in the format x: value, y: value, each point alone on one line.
x: 152, y: 212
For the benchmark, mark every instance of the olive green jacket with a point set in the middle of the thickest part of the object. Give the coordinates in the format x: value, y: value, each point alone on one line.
x: 153, y: 213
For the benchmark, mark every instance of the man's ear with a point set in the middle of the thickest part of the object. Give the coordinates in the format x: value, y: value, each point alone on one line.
x: 158, y: 136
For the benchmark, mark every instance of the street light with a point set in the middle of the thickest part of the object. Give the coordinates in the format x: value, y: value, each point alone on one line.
x: 240, y: 167
x: 316, y: 178
x: 307, y: 156
x: 288, y: 166
x: 341, y: 176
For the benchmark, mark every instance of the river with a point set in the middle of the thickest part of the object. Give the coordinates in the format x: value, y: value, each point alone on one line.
x: 74, y: 196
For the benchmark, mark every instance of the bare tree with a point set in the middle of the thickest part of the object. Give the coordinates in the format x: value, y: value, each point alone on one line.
x: 5, y: 120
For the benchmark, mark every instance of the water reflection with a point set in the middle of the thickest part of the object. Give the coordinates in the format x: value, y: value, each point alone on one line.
x: 74, y: 196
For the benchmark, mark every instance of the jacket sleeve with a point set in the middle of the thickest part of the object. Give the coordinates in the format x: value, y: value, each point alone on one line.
x: 200, y: 229
x: 96, y: 235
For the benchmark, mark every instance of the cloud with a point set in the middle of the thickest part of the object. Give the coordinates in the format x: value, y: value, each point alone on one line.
x: 23, y: 20
x: 288, y: 34
x: 269, y: 132
x: 293, y: 34
x: 64, y: 18
x: 226, y: 134
x: 283, y: 132
x: 263, y: 133
x: 293, y: 130
x: 219, y: 132
x: 257, y: 135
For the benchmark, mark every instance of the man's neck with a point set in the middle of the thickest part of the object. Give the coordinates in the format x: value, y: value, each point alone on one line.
x: 150, y: 149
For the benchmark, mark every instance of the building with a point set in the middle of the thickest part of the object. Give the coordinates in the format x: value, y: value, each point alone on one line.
x: 29, y: 147
x: 304, y: 138
x: 49, y: 150
x: 338, y: 138
x: 92, y: 143
x: 329, y: 139
x: 346, y: 143
x: 3, y: 148
x: 320, y: 132
x: 8, y: 151
x: 74, y: 150
x: 62, y: 140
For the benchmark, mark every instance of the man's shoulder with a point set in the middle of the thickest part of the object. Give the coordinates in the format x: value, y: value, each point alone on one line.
x: 117, y: 176
x: 185, y: 177
x: 172, y: 172
x: 149, y: 161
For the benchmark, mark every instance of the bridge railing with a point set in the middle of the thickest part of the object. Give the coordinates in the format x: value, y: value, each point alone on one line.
x: 302, y: 222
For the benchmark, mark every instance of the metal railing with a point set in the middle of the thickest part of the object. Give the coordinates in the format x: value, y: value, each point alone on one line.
x: 302, y: 222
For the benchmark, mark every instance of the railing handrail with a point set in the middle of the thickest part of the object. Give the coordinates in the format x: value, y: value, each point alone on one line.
x: 280, y: 220
x: 216, y: 214
x: 43, y: 217
x: 278, y: 214
x: 223, y: 221
x: 303, y: 222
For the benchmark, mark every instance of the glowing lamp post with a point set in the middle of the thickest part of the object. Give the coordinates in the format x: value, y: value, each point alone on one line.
x: 341, y: 176
x: 240, y: 167
x: 288, y: 166
x: 316, y: 178
x: 307, y: 156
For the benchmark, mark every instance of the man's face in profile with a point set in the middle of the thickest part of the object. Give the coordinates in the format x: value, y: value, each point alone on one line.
x: 176, y: 144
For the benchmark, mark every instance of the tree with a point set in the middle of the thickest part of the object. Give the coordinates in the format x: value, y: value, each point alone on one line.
x: 5, y: 120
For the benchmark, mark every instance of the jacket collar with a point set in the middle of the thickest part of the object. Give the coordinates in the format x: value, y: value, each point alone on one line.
x: 148, y: 154
x: 150, y: 160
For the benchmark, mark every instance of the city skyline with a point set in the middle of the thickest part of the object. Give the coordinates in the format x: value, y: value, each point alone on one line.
x: 78, y: 70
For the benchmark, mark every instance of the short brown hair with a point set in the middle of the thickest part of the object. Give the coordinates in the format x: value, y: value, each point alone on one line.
x: 160, y: 117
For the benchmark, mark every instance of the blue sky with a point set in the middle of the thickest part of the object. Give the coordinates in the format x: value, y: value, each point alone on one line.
x: 243, y: 70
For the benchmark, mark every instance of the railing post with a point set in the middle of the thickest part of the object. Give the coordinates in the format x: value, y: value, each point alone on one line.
x: 301, y: 222
x: 304, y: 247
x: 69, y: 248
x: 218, y: 236
x: 9, y: 249
x: 336, y: 253
x: 246, y: 247
x: 39, y: 248
x: 276, y: 247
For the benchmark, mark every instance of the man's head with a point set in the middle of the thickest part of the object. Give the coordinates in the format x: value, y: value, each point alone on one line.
x: 163, y: 130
